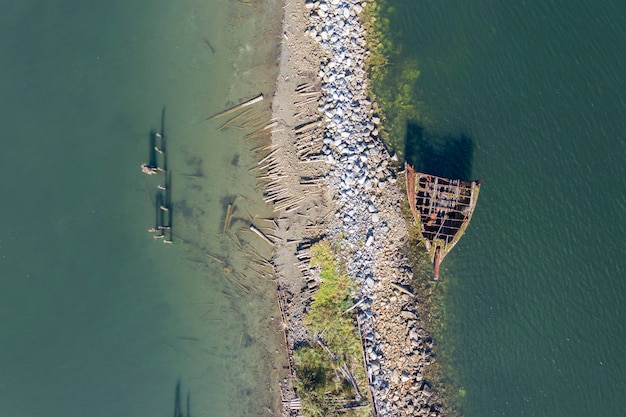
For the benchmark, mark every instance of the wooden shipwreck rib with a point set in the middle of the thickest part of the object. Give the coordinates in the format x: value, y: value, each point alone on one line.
x: 442, y: 209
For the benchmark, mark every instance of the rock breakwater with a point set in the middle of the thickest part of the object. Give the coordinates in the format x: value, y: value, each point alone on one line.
x: 368, y: 217
x: 360, y: 207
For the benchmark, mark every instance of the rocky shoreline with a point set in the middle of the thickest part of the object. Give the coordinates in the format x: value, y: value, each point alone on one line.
x: 341, y: 187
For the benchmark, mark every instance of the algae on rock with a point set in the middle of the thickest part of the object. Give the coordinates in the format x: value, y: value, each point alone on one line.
x: 393, y: 78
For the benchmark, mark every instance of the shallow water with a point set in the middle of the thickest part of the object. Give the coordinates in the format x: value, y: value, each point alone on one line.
x: 535, y: 301
x: 98, y: 318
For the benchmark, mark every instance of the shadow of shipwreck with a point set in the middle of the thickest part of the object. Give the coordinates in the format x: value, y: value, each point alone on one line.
x: 444, y: 156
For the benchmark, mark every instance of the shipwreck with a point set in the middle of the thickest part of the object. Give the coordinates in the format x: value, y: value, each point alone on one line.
x: 442, y: 209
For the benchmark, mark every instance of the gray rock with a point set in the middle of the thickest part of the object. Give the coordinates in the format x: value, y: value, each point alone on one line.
x: 408, y: 315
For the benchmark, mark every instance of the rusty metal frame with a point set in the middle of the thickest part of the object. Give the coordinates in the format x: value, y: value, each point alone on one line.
x: 442, y: 208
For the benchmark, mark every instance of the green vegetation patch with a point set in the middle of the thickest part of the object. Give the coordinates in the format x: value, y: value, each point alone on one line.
x: 393, y: 77
x: 330, y: 370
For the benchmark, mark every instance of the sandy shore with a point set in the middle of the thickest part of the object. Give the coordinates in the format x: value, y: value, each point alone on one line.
x: 329, y: 175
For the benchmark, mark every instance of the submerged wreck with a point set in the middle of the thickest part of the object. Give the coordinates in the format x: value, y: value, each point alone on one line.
x: 442, y: 209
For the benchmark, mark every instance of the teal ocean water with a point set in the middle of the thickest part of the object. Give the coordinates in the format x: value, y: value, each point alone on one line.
x: 536, y: 296
x: 97, y: 318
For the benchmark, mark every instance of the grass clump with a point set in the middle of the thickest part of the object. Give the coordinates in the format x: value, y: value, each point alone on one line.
x: 330, y: 369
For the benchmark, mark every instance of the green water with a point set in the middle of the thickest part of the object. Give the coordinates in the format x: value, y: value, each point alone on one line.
x: 536, y: 296
x: 96, y: 317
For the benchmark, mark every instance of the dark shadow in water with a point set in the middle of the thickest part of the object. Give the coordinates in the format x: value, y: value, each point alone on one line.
x: 195, y: 163
x: 163, y: 122
x: 164, y: 153
x: 170, y: 206
x: 198, y: 173
x: 185, y: 209
x: 159, y: 145
x: 226, y: 200
x: 159, y: 212
x: 178, y: 406
x: 446, y: 156
x: 152, y: 153
x: 168, y: 188
x: 165, y: 209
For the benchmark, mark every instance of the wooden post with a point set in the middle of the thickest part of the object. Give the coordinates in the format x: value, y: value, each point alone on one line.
x: 237, y: 107
x: 261, y: 234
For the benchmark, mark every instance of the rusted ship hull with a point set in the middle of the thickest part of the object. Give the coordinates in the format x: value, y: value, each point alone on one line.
x: 442, y: 209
